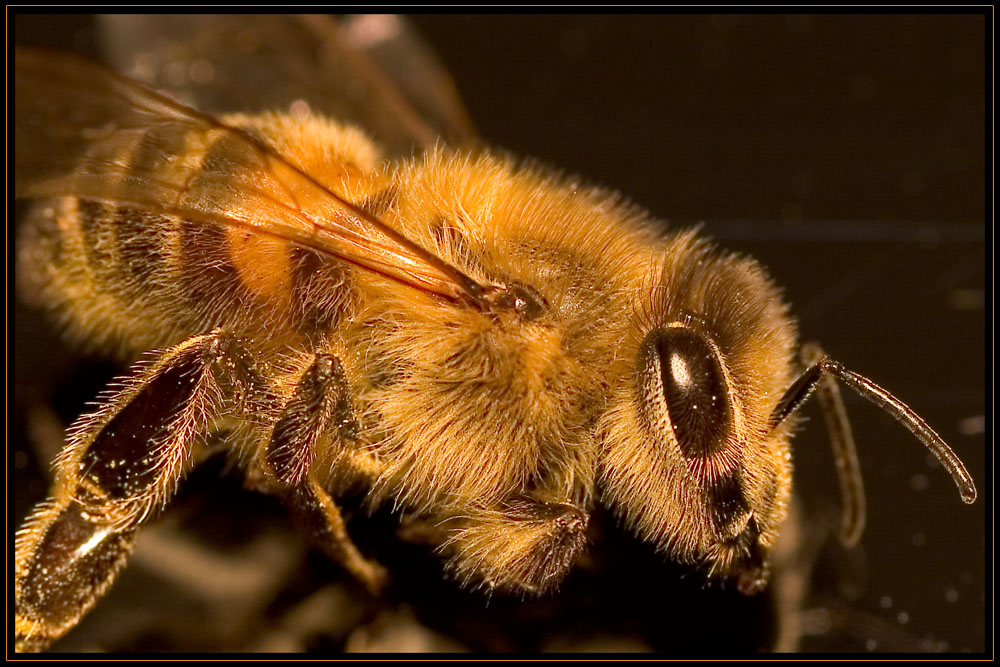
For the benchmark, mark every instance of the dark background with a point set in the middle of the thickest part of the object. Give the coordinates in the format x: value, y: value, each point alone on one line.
x: 847, y: 153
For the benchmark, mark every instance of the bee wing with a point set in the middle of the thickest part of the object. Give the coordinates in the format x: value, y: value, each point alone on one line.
x: 82, y: 130
x: 373, y: 71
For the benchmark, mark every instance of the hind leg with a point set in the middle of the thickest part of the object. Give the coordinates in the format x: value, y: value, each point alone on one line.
x: 119, y: 467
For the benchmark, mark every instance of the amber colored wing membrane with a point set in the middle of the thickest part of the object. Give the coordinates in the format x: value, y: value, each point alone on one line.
x: 79, y: 128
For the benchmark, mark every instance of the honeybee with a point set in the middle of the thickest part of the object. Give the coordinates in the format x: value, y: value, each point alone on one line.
x: 451, y: 273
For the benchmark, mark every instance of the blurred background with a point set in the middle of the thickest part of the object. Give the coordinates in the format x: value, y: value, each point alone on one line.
x: 847, y: 153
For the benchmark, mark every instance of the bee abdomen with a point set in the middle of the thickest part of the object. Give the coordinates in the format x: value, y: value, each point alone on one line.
x: 142, y: 279
x: 71, y: 260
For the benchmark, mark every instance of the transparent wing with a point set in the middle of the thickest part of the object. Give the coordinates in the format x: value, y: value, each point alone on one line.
x: 83, y: 130
x: 373, y: 71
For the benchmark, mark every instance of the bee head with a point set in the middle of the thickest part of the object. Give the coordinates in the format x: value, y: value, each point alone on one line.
x: 689, y: 460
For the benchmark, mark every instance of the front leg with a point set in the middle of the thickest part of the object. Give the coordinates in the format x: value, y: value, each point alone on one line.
x: 119, y: 467
x: 525, y: 545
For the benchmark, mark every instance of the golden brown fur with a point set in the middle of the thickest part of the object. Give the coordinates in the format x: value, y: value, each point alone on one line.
x: 502, y: 424
x: 488, y: 348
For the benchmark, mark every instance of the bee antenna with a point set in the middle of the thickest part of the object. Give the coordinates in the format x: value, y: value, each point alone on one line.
x: 812, y: 379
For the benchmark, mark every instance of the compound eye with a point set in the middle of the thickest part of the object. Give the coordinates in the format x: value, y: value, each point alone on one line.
x: 694, y: 390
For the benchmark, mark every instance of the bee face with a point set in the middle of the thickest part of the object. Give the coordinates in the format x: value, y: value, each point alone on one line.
x: 639, y: 424
x: 690, y: 461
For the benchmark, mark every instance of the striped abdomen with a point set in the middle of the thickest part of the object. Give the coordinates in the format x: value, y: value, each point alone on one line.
x: 128, y: 275
x: 146, y: 280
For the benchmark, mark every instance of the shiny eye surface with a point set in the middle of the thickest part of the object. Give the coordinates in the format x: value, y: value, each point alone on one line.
x: 694, y: 389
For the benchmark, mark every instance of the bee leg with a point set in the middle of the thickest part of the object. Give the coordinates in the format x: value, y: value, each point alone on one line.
x: 120, y: 465
x: 321, y: 517
x: 319, y: 414
x: 526, y: 545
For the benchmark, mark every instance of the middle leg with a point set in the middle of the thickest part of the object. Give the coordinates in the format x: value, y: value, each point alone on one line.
x: 316, y: 427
